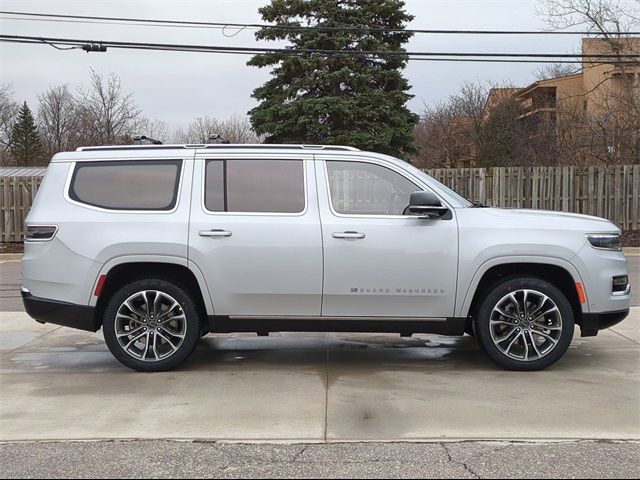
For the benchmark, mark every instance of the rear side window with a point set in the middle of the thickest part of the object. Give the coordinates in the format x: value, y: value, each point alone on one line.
x: 129, y: 185
x: 255, y: 186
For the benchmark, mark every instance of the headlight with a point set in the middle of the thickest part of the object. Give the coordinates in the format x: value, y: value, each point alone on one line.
x: 605, y: 241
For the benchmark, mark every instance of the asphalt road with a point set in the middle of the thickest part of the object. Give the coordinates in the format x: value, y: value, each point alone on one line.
x: 10, y: 300
x: 157, y: 459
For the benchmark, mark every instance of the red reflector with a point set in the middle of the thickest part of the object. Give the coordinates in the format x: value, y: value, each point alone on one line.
x: 580, y: 291
x: 100, y: 285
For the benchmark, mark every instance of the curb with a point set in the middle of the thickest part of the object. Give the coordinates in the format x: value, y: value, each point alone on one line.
x: 8, y: 257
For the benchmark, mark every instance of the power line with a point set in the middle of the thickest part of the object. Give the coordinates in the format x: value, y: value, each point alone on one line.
x: 99, y: 22
x: 321, y: 52
x: 200, y: 24
x: 92, y: 45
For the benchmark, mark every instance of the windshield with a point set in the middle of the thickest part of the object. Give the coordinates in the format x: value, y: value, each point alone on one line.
x: 463, y: 201
x: 453, y: 197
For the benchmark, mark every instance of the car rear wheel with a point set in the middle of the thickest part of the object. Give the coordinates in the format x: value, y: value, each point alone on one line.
x: 525, y: 323
x: 151, y: 325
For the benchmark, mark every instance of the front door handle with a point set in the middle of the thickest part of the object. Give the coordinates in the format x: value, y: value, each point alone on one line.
x: 349, y: 235
x: 214, y: 233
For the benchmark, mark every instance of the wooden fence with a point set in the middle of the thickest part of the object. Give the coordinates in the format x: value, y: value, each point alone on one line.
x: 16, y: 197
x: 609, y: 192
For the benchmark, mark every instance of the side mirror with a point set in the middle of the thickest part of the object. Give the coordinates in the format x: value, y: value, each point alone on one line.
x: 426, y: 205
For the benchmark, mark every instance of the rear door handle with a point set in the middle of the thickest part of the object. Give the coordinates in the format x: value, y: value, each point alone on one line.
x: 214, y: 233
x: 349, y: 235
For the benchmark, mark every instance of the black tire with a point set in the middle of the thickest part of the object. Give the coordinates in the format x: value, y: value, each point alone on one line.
x: 564, y: 335
x: 192, y: 324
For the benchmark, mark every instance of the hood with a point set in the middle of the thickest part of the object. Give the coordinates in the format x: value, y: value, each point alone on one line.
x: 589, y: 222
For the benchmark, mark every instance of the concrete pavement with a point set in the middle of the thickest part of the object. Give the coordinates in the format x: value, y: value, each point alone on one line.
x: 61, y: 384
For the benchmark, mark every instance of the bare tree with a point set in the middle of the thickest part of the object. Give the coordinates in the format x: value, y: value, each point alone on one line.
x: 611, y: 123
x: 198, y: 130
x: 156, y: 129
x: 110, y: 113
x: 57, y: 119
x: 8, y: 111
x: 609, y: 18
x: 236, y: 129
x: 555, y: 70
x: 449, y: 133
x: 442, y: 137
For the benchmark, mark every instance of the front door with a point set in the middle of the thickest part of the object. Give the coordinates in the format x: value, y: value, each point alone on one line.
x: 379, y: 261
x: 255, y: 234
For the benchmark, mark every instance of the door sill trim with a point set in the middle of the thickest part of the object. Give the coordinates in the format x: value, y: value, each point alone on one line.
x: 403, y: 325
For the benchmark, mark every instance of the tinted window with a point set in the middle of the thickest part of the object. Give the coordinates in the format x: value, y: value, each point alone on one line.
x: 360, y: 188
x: 131, y: 185
x: 214, y: 182
x: 261, y: 186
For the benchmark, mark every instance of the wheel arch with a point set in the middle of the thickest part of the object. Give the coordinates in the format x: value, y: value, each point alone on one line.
x: 558, y: 272
x: 127, y: 269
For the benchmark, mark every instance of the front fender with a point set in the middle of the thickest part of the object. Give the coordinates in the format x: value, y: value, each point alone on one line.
x: 465, y: 296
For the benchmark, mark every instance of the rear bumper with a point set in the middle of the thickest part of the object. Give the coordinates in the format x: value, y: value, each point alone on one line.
x: 593, y: 322
x: 43, y: 310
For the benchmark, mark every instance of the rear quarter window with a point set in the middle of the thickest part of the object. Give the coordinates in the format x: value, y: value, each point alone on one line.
x: 128, y: 185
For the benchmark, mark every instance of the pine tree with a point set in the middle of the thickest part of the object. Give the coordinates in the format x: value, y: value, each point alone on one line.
x: 26, y: 146
x: 342, y: 98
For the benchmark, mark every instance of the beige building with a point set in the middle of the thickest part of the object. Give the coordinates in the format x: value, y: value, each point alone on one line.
x: 557, y: 106
x: 591, y: 89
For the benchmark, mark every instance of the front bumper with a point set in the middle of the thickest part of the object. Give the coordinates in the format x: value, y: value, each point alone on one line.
x: 43, y: 310
x: 593, y: 322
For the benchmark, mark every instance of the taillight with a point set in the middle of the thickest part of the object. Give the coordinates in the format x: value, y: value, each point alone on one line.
x: 40, y: 232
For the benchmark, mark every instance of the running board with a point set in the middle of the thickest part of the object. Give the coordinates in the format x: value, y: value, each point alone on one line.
x: 405, y: 326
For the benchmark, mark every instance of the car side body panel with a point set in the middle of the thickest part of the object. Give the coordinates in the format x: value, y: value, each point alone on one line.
x: 67, y: 267
x: 292, y: 266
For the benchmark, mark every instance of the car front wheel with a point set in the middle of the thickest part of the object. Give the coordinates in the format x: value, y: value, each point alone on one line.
x: 525, y: 323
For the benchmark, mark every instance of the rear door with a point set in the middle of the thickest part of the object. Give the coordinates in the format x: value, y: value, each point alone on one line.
x: 255, y: 234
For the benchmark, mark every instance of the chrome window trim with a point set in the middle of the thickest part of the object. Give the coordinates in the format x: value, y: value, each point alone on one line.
x: 380, y: 163
x: 72, y: 169
x: 203, y: 186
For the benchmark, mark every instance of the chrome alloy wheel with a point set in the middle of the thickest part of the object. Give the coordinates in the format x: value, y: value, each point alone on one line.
x: 150, y: 325
x: 526, y: 325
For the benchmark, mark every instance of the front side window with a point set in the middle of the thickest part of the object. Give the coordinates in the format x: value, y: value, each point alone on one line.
x: 127, y: 185
x: 255, y: 186
x: 361, y: 188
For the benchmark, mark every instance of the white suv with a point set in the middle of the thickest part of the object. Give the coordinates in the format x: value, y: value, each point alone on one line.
x: 162, y: 244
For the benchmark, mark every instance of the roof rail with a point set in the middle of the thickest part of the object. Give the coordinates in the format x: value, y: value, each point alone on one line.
x: 248, y: 146
x: 134, y: 147
x: 273, y: 146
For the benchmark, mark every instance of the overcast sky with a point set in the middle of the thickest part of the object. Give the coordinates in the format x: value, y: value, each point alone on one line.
x: 176, y: 87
